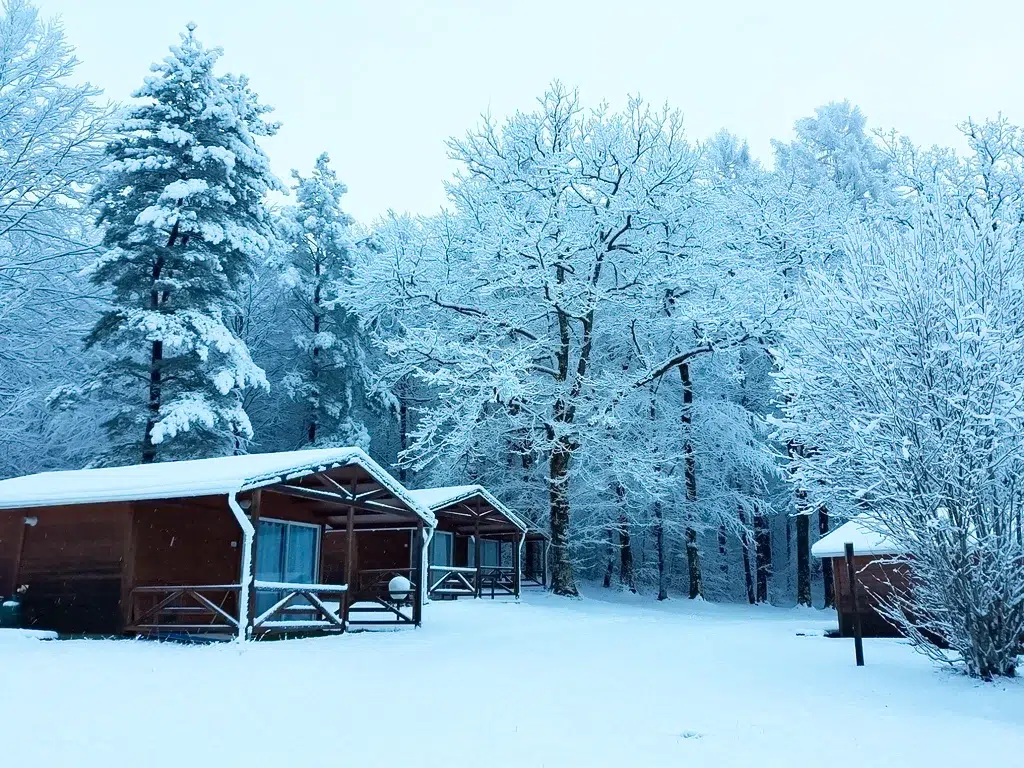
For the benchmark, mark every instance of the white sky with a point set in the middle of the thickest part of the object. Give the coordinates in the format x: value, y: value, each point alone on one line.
x: 381, y: 84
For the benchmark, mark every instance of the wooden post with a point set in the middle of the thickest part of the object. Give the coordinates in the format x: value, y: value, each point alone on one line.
x: 254, y: 518
x: 858, y: 634
x: 418, y: 575
x: 517, y: 563
x: 350, y: 556
x: 477, y: 550
x: 128, y: 566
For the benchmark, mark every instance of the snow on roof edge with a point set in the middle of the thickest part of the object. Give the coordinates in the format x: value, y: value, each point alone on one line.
x: 862, y: 533
x: 444, y: 496
x: 191, y: 478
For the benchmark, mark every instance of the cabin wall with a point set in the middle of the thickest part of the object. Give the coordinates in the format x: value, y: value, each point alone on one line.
x: 73, y: 562
x: 12, y: 524
x: 187, y: 541
x: 373, y: 549
x: 876, y: 582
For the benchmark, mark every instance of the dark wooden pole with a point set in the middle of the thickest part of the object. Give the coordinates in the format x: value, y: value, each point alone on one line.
x: 418, y: 576
x: 517, y: 563
x: 858, y: 634
x: 254, y: 518
x: 477, y: 549
x: 350, y: 556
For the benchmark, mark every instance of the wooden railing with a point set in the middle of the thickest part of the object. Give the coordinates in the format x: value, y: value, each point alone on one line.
x: 459, y: 581
x: 301, y: 607
x: 498, y: 579
x: 451, y: 581
x: 371, y: 594
x: 213, y: 609
x: 205, y: 608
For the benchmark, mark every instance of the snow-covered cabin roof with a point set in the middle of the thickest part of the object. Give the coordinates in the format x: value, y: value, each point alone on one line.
x: 865, y: 538
x: 198, y: 477
x: 436, y: 499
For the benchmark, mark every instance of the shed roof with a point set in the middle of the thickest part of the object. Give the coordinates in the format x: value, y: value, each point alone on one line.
x: 863, y: 533
x: 436, y: 499
x: 197, y: 477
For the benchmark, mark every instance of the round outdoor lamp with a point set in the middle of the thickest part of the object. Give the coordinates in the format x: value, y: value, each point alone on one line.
x: 399, y: 588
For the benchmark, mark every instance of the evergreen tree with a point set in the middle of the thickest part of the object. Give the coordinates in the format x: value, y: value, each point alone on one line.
x: 327, y: 376
x: 181, y: 206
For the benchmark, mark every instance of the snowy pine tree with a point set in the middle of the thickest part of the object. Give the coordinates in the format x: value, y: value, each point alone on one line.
x: 183, y: 218
x: 328, y: 373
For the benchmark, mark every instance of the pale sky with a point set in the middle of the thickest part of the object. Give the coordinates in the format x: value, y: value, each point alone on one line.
x: 381, y: 85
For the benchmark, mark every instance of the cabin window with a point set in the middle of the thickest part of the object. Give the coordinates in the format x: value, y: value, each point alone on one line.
x: 490, y: 552
x: 441, y: 547
x: 285, y: 552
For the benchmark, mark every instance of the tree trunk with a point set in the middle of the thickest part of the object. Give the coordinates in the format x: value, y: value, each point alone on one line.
x: 693, y: 564
x: 763, y: 551
x: 156, y: 356
x: 748, y: 579
x: 562, y: 580
x: 314, y: 372
x: 690, y: 475
x: 826, y: 571
x: 803, y: 560
x: 626, y: 577
x: 157, y: 299
x: 723, y: 553
x: 610, y: 570
x: 659, y: 544
x: 403, y: 428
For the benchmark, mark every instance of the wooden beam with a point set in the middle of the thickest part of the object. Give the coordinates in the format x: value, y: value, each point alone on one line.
x: 517, y: 563
x: 336, y: 499
x: 128, y: 566
x: 254, y: 518
x: 350, y: 554
x: 477, y: 551
x: 416, y: 552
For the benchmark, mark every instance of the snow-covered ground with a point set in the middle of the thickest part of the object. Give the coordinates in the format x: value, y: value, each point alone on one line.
x: 547, y: 682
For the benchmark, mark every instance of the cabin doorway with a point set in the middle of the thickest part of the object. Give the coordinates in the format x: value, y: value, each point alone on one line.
x: 286, y: 552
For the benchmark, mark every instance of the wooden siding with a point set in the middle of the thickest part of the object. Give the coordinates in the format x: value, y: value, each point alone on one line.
x: 186, y: 542
x: 876, y: 581
x: 11, y: 528
x: 374, y: 549
x: 73, y: 561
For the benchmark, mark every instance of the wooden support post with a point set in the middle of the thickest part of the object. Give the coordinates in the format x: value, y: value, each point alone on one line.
x: 350, y: 556
x: 477, y: 550
x: 254, y: 518
x: 517, y: 563
x: 418, y: 575
x: 858, y: 634
x: 128, y: 566
x: 545, y: 556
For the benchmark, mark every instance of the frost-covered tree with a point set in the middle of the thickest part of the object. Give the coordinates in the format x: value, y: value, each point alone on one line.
x: 181, y: 206
x: 905, y: 371
x: 329, y: 363
x: 566, y: 231
x: 834, y: 146
x: 51, y: 145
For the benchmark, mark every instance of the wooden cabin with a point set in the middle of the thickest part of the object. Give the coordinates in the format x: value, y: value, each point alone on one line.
x: 876, y: 577
x: 232, y: 547
x: 477, y: 547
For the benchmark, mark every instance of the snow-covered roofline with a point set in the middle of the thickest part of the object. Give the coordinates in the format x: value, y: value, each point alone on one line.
x: 438, y: 498
x: 198, y: 477
x: 864, y: 536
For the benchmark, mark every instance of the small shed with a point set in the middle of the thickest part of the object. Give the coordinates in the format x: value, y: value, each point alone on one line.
x: 232, y: 546
x: 877, y: 576
x: 478, y: 545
